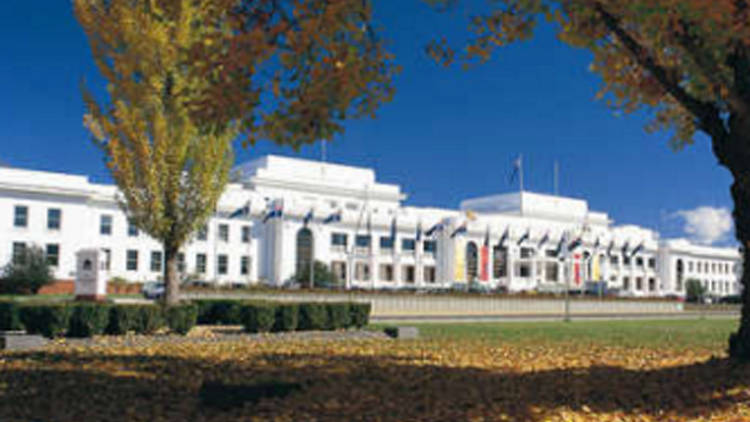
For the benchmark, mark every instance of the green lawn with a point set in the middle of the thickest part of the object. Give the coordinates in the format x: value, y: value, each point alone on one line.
x: 704, y: 333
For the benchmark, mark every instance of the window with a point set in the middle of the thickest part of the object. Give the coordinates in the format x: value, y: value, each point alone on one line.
x: 19, y: 252
x: 626, y: 283
x: 639, y: 283
x: 202, y: 233
x: 224, y: 232
x: 131, y: 260
x: 625, y: 260
x: 362, y: 241
x: 245, y: 234
x: 639, y: 261
x: 54, y: 217
x: 690, y: 266
x: 408, y: 245
x: 386, y: 272
x: 614, y: 260
x: 21, y: 216
x: 428, y: 275
x: 407, y: 273
x: 652, y: 262
x: 361, y: 271
x: 550, y: 253
x: 339, y: 270
x: 107, y: 258
x: 524, y: 270
x: 156, y: 261
x: 652, y: 284
x: 223, y: 264
x: 429, y: 247
x: 527, y: 252
x: 499, y: 261
x: 550, y: 271
x: 200, y: 263
x: 52, y: 253
x: 105, y: 225
x: 180, y: 262
x: 245, y: 265
x: 386, y: 243
x: 132, y: 229
x: 338, y: 241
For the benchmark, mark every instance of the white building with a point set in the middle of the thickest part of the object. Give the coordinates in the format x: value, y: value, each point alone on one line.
x: 359, y: 227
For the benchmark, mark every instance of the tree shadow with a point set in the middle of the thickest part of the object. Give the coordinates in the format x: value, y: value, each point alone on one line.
x: 349, y: 387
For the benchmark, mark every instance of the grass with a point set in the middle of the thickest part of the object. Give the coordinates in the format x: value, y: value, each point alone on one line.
x: 702, y: 333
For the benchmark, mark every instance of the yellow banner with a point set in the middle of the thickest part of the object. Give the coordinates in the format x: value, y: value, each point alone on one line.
x: 595, y: 269
x: 459, y: 262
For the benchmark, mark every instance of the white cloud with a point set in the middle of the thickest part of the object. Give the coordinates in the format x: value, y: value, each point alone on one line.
x: 706, y: 225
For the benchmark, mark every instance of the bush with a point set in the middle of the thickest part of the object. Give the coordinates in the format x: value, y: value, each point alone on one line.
x: 49, y: 320
x: 258, y: 317
x: 312, y: 316
x: 287, y: 317
x: 338, y: 315
x: 694, y: 291
x: 26, y: 273
x: 359, y: 314
x: 88, y: 319
x: 149, y: 319
x: 219, y: 312
x: 181, y: 318
x: 122, y: 318
x: 9, y: 317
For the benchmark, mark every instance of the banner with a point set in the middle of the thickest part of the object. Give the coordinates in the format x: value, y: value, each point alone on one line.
x: 595, y: 272
x: 483, y: 261
x: 459, y: 261
x: 577, y: 268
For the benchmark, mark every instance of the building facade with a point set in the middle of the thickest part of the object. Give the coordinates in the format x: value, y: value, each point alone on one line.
x: 280, y: 214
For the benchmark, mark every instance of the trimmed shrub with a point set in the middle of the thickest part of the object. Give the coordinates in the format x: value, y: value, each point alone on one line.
x: 49, y: 320
x: 149, y: 319
x: 122, y: 318
x: 359, y: 313
x: 9, y: 317
x: 219, y: 311
x: 312, y: 316
x: 338, y: 315
x: 258, y: 317
x: 181, y: 318
x: 88, y: 319
x: 287, y: 317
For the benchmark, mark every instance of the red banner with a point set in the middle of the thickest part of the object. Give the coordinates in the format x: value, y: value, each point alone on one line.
x: 483, y: 260
x: 577, y: 268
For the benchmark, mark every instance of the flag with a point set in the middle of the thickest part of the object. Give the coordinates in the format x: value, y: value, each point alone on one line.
x: 308, y: 217
x: 334, y: 217
x: 394, y: 229
x: 487, y: 237
x: 596, y: 244
x: 637, y: 249
x: 625, y: 247
x: 576, y: 243
x: 516, y: 169
x: 610, y: 247
x: 484, y: 255
x: 560, y: 244
x: 471, y: 215
x: 544, y: 240
x: 459, y: 230
x: 524, y: 237
x: 438, y: 227
x: 277, y: 211
x: 243, y: 211
x: 419, y: 231
x: 504, y: 237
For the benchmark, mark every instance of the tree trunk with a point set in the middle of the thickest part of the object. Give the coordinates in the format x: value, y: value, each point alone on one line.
x: 739, y: 342
x: 171, y: 276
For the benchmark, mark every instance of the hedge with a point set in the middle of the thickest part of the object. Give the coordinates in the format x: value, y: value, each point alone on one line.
x: 338, y: 315
x: 287, y: 317
x: 181, y: 318
x: 10, y: 319
x: 219, y: 311
x: 312, y: 316
x: 359, y: 314
x: 49, y: 320
x: 88, y: 319
x: 122, y: 319
x: 258, y: 317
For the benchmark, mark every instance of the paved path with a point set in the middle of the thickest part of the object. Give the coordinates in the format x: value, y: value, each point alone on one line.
x: 547, y: 317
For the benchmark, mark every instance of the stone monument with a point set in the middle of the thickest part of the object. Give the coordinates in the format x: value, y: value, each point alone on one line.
x: 91, y: 275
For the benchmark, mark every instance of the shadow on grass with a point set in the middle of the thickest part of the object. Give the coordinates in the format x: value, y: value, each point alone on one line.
x: 349, y: 388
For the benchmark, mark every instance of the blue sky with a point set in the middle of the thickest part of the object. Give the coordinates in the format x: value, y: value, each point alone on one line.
x: 449, y: 134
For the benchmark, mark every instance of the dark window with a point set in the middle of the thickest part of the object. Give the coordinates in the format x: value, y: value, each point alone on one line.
x: 386, y: 272
x: 245, y: 234
x: 362, y: 241
x: 429, y: 246
x: 53, y: 254
x: 19, y: 253
x: 524, y: 270
x: 386, y: 242
x: 21, y: 216
x: 625, y: 260
x: 105, y: 225
x: 132, y: 229
x: 181, y: 262
x: 408, y: 245
x: 54, y: 218
x: 131, y: 261
x: 224, y: 232
x: 407, y: 273
x: 362, y: 271
x: 652, y: 263
x: 107, y: 258
x: 200, y: 263
x: 156, y: 261
x: 550, y: 271
x: 499, y: 261
x: 202, y: 233
x: 223, y: 264
x: 339, y: 269
x: 245, y: 265
x: 527, y: 252
x: 639, y: 261
x: 429, y: 274
x: 614, y: 260
x: 550, y: 253
x: 338, y: 239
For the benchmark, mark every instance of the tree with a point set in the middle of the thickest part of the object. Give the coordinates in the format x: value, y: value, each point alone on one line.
x: 185, y: 77
x: 694, y: 291
x: 687, y: 61
x: 322, y: 276
x: 27, y: 272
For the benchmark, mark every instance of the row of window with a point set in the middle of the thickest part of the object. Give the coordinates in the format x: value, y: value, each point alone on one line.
x: 51, y: 251
x: 340, y: 241
x: 386, y: 272
x: 157, y: 262
x: 21, y: 217
x: 710, y: 267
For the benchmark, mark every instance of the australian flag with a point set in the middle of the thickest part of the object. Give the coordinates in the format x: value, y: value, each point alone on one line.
x: 576, y: 243
x: 610, y: 247
x: 333, y: 218
x: 419, y: 231
x: 544, y: 240
x: 525, y: 237
x: 438, y: 227
x: 459, y: 230
x: 516, y: 170
x: 637, y: 249
x: 277, y: 211
x: 504, y: 237
x: 308, y: 217
x: 243, y: 211
x: 394, y: 229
